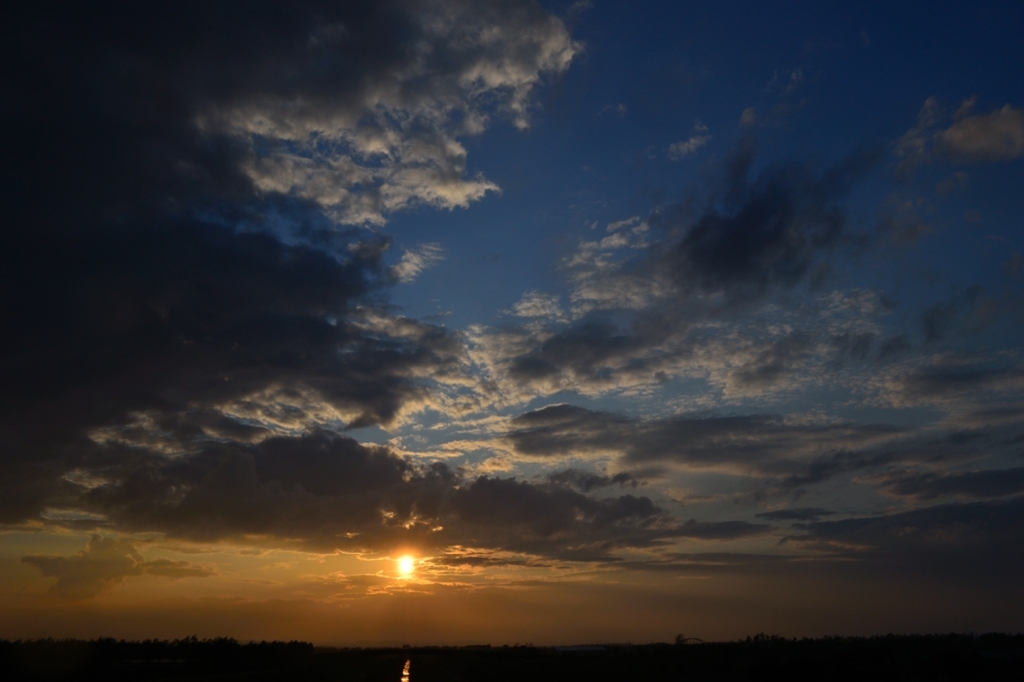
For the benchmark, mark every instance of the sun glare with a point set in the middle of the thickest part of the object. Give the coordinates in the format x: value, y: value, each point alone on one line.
x: 406, y: 566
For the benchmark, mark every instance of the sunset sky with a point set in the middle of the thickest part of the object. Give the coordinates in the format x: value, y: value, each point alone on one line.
x: 503, y: 321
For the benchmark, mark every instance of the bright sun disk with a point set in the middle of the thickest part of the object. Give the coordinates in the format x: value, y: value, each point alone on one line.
x: 406, y: 565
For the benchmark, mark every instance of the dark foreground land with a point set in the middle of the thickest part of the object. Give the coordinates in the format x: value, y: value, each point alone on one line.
x: 932, y: 657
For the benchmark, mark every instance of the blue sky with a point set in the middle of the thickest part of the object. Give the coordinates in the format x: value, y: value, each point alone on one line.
x: 656, y: 311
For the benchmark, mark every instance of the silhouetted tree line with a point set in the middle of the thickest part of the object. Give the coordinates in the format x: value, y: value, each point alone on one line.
x: 762, y: 657
x: 120, y: 659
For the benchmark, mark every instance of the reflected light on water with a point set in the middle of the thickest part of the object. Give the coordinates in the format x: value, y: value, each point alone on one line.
x: 405, y: 672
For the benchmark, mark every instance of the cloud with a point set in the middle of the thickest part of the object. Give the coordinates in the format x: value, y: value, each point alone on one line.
x: 631, y: 222
x: 535, y: 512
x: 584, y: 353
x: 835, y: 463
x: 765, y: 444
x: 996, y: 136
x: 771, y: 363
x: 177, y: 221
x: 795, y: 514
x: 536, y: 304
x: 914, y: 145
x: 587, y: 481
x: 619, y: 110
x: 684, y: 148
x: 968, y: 312
x: 722, y: 530
x: 104, y: 563
x: 643, y: 297
x: 679, y: 150
x: 415, y: 261
x: 368, y: 126
x: 792, y: 78
x: 948, y: 378
x: 928, y: 485
x: 747, y: 238
x: 977, y: 541
x: 972, y: 138
x: 762, y: 354
x: 963, y: 440
x: 766, y: 234
x: 324, y: 491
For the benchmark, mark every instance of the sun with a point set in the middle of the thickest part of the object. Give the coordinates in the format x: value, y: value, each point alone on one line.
x: 406, y: 566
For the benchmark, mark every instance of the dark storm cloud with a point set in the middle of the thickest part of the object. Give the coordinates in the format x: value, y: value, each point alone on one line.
x: 310, y: 487
x: 969, y: 312
x: 775, y: 362
x: 767, y: 443
x: 186, y: 95
x: 759, y: 234
x: 584, y: 351
x: 985, y: 484
x: 324, y: 491
x: 587, y: 480
x: 105, y: 562
x: 558, y: 502
x: 167, y: 278
x: 893, y: 347
x: 955, y: 446
x: 835, y: 463
x: 951, y: 376
x: 640, y: 301
x: 973, y: 541
x: 793, y: 455
x: 719, y: 563
x: 188, y: 313
x: 795, y: 514
x: 722, y: 530
x: 853, y: 347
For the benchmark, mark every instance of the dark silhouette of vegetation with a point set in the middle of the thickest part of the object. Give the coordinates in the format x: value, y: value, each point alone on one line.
x: 763, y: 657
x: 111, y: 659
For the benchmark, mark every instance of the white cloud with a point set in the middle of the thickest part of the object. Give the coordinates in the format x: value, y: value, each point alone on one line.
x: 683, y: 148
x: 537, y: 304
x: 415, y: 261
x: 998, y: 136
x: 393, y: 143
x: 686, y: 147
x: 619, y: 224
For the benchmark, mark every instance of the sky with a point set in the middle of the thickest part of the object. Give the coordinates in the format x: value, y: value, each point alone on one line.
x: 426, y: 321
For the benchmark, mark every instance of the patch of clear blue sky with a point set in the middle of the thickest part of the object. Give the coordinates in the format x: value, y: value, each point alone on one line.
x: 863, y: 74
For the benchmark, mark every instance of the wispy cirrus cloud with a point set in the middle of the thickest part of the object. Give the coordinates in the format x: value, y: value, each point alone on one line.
x: 414, y: 261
